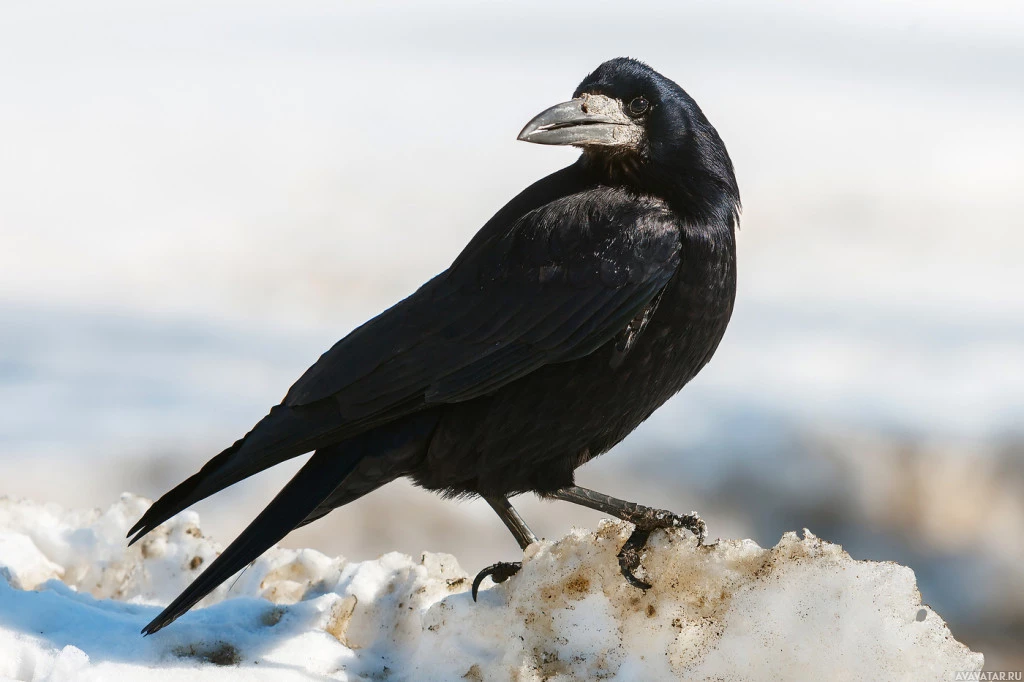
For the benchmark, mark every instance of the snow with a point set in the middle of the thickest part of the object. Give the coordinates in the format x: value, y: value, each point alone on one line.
x: 73, y: 598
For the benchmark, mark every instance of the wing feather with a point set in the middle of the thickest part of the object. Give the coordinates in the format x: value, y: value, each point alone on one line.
x: 563, y: 281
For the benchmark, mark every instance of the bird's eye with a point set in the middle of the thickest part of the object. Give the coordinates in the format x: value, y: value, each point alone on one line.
x: 639, y: 106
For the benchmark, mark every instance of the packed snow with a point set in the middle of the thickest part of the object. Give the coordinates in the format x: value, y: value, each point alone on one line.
x: 73, y: 598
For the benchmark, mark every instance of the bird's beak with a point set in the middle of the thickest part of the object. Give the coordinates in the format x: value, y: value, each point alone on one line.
x: 586, y: 120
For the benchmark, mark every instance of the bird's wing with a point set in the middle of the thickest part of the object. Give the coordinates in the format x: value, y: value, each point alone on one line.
x: 553, y: 285
x: 559, y: 283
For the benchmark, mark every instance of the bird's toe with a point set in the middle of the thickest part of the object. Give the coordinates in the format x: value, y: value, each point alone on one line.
x: 499, y: 573
x: 652, y: 519
x: 691, y: 522
x: 629, y: 557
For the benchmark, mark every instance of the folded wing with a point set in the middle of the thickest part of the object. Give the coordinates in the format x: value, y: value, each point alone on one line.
x: 563, y: 281
x: 553, y: 285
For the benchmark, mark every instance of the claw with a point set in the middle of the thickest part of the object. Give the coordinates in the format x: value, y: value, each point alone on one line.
x: 629, y: 555
x: 499, y: 573
x: 693, y: 523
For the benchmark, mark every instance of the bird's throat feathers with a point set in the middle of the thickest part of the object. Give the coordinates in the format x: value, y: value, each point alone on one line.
x: 698, y: 184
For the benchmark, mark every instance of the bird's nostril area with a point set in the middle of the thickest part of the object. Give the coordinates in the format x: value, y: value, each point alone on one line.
x: 583, y: 106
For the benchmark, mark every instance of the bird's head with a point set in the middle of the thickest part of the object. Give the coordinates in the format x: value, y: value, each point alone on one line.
x: 637, y: 127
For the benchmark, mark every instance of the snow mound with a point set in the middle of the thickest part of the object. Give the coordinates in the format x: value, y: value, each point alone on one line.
x: 73, y: 599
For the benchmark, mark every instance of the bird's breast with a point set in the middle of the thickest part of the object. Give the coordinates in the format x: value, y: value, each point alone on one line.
x: 686, y: 327
x: 532, y: 433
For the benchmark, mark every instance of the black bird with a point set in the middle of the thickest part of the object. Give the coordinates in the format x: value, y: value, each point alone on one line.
x: 584, y: 304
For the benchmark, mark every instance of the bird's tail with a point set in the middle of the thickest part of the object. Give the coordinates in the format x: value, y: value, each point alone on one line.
x: 323, y: 483
x: 312, y: 484
x: 281, y: 435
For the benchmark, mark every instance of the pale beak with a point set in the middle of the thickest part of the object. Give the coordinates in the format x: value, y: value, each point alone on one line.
x: 585, y: 120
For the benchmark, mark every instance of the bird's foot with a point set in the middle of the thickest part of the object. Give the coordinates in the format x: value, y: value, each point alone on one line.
x: 646, y: 521
x: 499, y: 573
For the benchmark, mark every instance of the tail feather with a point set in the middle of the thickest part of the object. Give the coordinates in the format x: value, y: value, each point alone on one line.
x: 273, y: 440
x: 335, y: 475
x: 308, y: 488
x: 397, y: 450
x: 179, y: 498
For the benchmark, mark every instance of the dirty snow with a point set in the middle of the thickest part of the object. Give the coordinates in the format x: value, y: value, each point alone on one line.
x: 73, y: 599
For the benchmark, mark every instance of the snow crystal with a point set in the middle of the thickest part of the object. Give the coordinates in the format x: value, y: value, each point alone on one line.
x: 73, y: 598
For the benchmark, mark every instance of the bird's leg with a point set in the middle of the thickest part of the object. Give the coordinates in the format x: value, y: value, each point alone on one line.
x: 645, y: 520
x: 503, y: 570
x: 512, y: 520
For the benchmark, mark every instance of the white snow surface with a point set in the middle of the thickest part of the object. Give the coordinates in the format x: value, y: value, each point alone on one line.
x: 73, y: 598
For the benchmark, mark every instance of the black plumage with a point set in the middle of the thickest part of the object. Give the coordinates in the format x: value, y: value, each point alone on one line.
x: 575, y: 312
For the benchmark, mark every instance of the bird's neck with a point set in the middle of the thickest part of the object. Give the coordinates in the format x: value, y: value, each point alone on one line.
x: 695, y: 194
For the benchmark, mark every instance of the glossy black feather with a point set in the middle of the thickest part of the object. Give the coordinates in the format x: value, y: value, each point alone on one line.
x: 310, y: 486
x: 315, y: 482
x: 560, y: 281
x: 576, y: 311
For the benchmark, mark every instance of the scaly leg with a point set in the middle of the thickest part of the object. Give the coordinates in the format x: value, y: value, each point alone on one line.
x: 503, y: 570
x: 645, y: 520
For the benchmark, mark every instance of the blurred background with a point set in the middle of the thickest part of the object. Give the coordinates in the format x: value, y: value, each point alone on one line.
x: 197, y: 199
